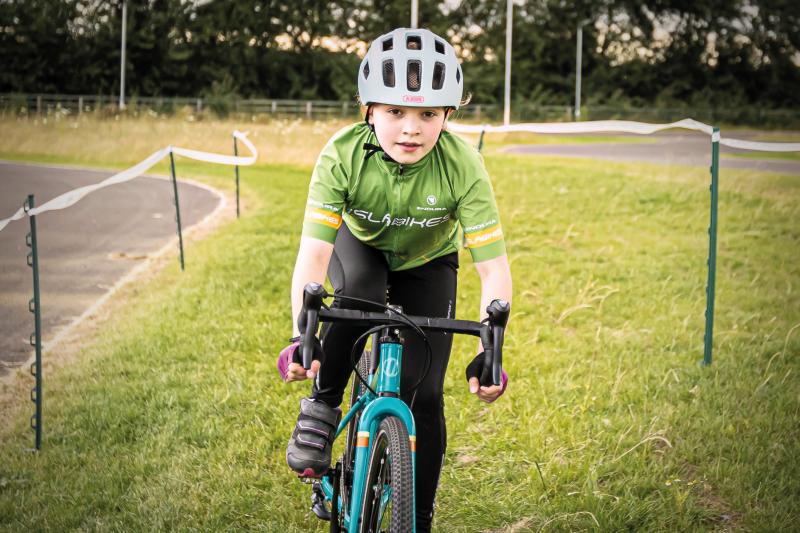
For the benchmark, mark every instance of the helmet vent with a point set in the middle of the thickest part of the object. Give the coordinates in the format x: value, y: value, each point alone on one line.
x: 458, y: 74
x: 414, y: 80
x: 439, y: 45
x: 388, y: 44
x: 388, y: 73
x: 438, y: 75
x: 366, y: 70
x: 414, y: 42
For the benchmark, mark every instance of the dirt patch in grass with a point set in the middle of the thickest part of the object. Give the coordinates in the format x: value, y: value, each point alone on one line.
x: 724, y: 517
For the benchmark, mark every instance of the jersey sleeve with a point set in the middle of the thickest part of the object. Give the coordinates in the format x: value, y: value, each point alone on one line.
x: 327, y: 194
x: 478, y: 215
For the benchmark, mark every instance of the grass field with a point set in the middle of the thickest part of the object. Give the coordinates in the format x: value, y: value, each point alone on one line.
x: 173, y: 417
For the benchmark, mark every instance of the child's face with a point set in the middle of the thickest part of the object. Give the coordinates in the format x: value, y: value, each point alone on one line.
x: 407, y: 134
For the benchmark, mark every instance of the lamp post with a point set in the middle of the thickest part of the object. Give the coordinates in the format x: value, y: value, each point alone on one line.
x: 414, y: 12
x: 507, y: 108
x: 122, y: 57
x: 578, y: 58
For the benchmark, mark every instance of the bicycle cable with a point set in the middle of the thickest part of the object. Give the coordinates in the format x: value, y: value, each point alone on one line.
x: 354, y: 363
x: 399, y: 314
x: 404, y: 320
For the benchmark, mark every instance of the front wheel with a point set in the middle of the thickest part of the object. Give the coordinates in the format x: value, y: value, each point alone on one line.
x: 389, y: 492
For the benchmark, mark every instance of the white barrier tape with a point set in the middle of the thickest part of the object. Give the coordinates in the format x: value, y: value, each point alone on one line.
x: 761, y: 146
x: 622, y: 126
x: 71, y: 197
x: 219, y: 158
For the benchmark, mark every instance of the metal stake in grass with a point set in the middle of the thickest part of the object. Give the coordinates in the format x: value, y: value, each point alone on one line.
x: 36, y: 336
x: 177, y: 204
x: 236, y: 169
x: 712, y: 249
x: 480, y: 140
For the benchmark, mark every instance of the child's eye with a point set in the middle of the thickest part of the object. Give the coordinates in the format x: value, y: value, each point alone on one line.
x: 429, y: 114
x: 394, y: 111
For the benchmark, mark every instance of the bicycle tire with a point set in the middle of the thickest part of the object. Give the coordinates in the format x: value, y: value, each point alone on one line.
x: 349, y: 455
x: 389, y: 467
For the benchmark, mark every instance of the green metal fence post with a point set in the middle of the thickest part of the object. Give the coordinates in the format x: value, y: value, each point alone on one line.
x: 177, y: 204
x: 480, y: 140
x: 708, y: 339
x: 36, y: 336
x: 236, y: 169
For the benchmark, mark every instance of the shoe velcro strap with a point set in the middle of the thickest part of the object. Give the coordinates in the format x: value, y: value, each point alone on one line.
x: 314, y: 426
x: 319, y: 411
x: 305, y: 426
x: 312, y: 441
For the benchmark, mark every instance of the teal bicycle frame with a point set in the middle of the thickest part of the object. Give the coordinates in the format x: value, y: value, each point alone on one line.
x: 382, y: 398
x: 375, y: 409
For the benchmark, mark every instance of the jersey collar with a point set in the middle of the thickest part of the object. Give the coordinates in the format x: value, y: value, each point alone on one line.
x: 401, y: 171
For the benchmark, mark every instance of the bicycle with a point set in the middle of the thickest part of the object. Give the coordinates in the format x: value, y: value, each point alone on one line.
x: 371, y: 486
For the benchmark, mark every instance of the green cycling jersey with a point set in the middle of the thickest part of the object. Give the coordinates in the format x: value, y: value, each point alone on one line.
x: 412, y: 213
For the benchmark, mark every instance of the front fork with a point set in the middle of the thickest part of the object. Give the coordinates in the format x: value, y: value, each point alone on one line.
x: 371, y: 418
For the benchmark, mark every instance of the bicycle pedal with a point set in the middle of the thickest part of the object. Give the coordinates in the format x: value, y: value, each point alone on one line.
x: 318, y: 502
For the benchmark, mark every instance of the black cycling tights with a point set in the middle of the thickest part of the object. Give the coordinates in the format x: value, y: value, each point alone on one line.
x: 359, y: 270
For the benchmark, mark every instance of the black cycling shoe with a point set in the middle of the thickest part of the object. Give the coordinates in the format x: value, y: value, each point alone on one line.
x: 309, y: 450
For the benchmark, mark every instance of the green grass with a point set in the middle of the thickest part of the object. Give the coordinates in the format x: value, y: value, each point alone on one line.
x: 174, y: 418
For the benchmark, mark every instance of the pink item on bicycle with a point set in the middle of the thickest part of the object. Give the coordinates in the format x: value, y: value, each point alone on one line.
x: 286, y: 356
x: 503, y: 384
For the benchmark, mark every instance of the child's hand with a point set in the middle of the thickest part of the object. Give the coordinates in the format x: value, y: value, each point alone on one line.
x: 290, y: 366
x: 486, y: 393
x: 490, y: 393
x: 296, y: 372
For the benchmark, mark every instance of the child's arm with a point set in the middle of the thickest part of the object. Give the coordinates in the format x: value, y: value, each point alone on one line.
x: 311, y: 265
x: 495, y: 277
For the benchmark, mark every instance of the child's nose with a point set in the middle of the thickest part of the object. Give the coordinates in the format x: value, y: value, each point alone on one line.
x: 410, y: 125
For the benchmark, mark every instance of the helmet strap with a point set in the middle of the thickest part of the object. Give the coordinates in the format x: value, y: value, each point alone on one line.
x: 372, y: 149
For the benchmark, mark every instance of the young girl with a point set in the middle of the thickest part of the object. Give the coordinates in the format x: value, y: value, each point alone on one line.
x: 385, y: 203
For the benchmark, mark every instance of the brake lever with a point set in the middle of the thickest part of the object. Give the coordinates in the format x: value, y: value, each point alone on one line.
x: 485, y: 378
x: 498, y: 312
x: 313, y: 293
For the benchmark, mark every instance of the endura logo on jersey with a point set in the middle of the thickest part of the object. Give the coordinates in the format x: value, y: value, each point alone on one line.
x: 478, y: 227
x: 431, y: 201
x: 388, y: 220
x: 324, y: 206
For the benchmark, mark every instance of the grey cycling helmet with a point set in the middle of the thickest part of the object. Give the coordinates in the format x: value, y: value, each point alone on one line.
x: 411, y: 67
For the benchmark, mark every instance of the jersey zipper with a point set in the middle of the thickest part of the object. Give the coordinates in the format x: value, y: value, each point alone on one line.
x: 398, y: 185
